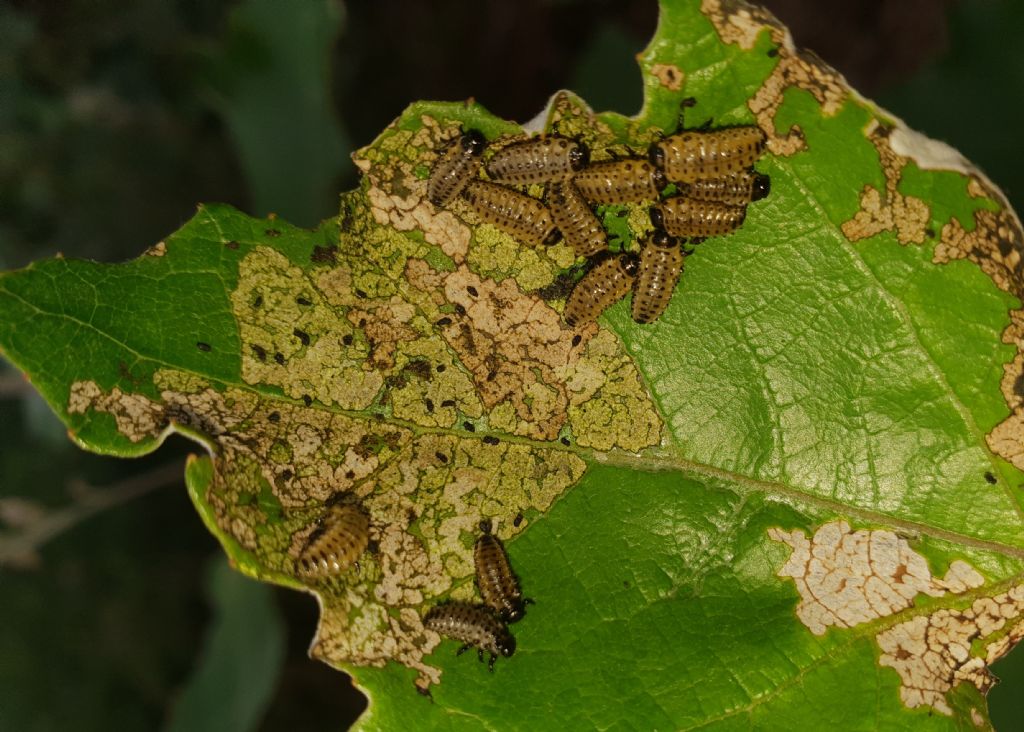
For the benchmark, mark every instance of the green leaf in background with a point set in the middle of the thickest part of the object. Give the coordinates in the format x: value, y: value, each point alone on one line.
x: 791, y: 502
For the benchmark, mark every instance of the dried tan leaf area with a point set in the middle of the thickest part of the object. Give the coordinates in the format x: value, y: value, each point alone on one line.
x: 933, y: 653
x: 846, y: 578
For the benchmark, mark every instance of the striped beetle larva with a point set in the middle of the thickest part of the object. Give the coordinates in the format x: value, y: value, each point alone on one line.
x: 688, y: 156
x: 499, y: 586
x: 455, y: 168
x: 572, y: 214
x: 661, y: 263
x: 604, y: 285
x: 340, y: 538
x: 683, y: 216
x: 737, y: 189
x: 538, y: 160
x: 474, y: 625
x: 515, y: 213
x: 627, y: 180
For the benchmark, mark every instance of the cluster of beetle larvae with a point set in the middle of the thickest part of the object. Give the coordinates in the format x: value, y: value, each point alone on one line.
x: 710, y: 169
x: 341, y: 535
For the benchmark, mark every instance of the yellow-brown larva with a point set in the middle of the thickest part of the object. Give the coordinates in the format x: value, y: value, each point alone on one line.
x: 538, y: 160
x: 575, y: 219
x: 340, y: 538
x: 689, y: 156
x: 661, y: 263
x: 684, y: 216
x: 737, y: 189
x: 604, y: 285
x: 474, y: 625
x: 455, y: 168
x: 515, y: 213
x: 628, y: 180
x: 499, y: 586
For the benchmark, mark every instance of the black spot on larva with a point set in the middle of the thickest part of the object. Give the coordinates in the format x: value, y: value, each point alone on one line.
x: 576, y: 339
x: 360, y: 294
x: 274, y: 417
x: 491, y: 440
x: 773, y: 52
x: 472, y: 291
x: 441, y: 368
x: 257, y: 301
x: 231, y: 244
x: 302, y: 335
x: 429, y: 403
x: 565, y: 441
x: 324, y: 255
x: 459, y: 309
x: 441, y: 457
x: 307, y: 399
x: 272, y: 232
x: 279, y: 358
x: 259, y: 351
x: 443, y: 322
x: 448, y: 403
x: 204, y: 347
x: 303, y: 300
x: 347, y: 339
x: 469, y: 427
x: 989, y: 477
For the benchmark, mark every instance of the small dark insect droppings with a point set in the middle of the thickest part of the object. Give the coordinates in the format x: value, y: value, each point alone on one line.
x: 472, y: 291
x: 272, y: 232
x: 360, y: 294
x: 324, y: 255
x: 350, y: 474
x: 474, y: 625
x: 448, y: 403
x: 303, y: 300
x: 990, y: 477
x: 491, y: 440
x: 279, y: 358
x: 302, y: 335
x: 468, y: 426
x: 518, y: 520
x: 274, y: 417
x: 424, y: 691
x: 441, y: 368
x: 499, y: 586
x: 347, y: 339
x: 231, y: 244
x: 430, y: 405
x: 419, y: 368
x: 362, y: 322
x: 773, y: 52
x: 287, y: 475
x: 307, y: 399
x: 341, y: 536
x: 444, y: 321
x: 930, y: 233
x: 565, y: 441
x: 441, y: 457
x: 259, y: 351
x: 460, y: 309
x: 258, y: 301
x: 204, y: 347
x: 576, y: 339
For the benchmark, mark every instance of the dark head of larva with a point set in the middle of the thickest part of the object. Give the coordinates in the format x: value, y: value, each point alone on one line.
x: 630, y: 263
x: 553, y: 238
x: 506, y: 644
x: 662, y: 240
x: 657, y: 218
x: 761, y: 187
x: 579, y: 156
x: 473, y: 143
x: 656, y: 155
x: 658, y: 178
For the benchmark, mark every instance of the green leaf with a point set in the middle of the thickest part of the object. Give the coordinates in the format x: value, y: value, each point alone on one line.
x: 792, y: 501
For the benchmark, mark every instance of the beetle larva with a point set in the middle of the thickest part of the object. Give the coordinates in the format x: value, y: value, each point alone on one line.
x: 683, y: 216
x: 661, y: 263
x: 628, y: 180
x: 515, y: 213
x: 474, y: 625
x: 736, y: 189
x: 538, y: 160
x: 688, y: 156
x: 600, y: 288
x: 572, y: 214
x: 499, y: 586
x: 455, y: 168
x: 339, y: 539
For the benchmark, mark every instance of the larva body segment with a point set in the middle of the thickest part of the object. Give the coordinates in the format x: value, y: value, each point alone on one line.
x: 661, y: 263
x: 340, y: 538
x: 455, y: 168
x: 575, y: 219
x: 687, y: 217
x: 604, y: 285
x: 628, y: 180
x: 499, y: 586
x: 475, y: 625
x: 694, y: 154
x: 515, y: 213
x: 538, y: 160
x: 736, y: 189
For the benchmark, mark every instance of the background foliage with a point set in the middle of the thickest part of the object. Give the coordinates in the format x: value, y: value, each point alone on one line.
x: 119, y: 116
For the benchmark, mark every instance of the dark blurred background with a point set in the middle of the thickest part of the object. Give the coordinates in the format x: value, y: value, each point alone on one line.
x: 118, y: 116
